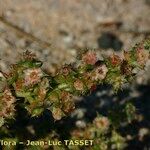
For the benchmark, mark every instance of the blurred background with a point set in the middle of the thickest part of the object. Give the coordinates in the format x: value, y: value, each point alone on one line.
x: 57, y: 30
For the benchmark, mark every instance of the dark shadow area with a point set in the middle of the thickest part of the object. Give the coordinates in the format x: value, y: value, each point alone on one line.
x: 147, y: 2
x: 105, y: 102
x: 109, y: 40
x: 99, y: 102
x: 142, y: 104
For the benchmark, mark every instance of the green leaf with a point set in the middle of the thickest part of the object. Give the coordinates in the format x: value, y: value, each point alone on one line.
x: 30, y: 64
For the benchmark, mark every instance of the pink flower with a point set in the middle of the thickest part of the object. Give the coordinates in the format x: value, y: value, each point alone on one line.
x: 33, y: 76
x: 89, y: 58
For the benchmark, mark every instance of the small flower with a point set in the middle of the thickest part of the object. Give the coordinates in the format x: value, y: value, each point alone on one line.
x: 142, y: 133
x: 6, y: 104
x: 65, y: 70
x: 80, y: 124
x: 89, y: 58
x: 67, y: 102
x: 8, y: 97
x: 99, y: 73
x: 65, y: 96
x: 68, y: 107
x: 78, y: 84
x: 101, y: 123
x: 142, y: 56
x: 33, y: 76
x: 115, y: 60
x: 57, y: 113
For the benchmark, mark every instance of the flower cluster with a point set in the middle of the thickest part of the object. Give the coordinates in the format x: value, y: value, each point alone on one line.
x: 27, y: 87
x: 41, y: 91
x: 121, y: 70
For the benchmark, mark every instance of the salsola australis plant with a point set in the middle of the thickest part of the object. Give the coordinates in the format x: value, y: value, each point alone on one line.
x: 41, y: 91
x: 28, y: 86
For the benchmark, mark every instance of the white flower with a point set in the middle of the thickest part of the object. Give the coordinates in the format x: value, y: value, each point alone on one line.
x: 33, y: 76
x: 100, y: 73
x: 101, y: 123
